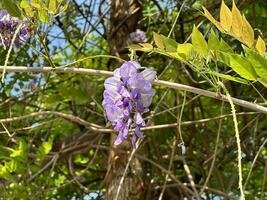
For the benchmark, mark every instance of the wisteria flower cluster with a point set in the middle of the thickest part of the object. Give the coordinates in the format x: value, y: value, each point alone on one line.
x: 127, y: 96
x: 8, y: 27
x: 138, y: 36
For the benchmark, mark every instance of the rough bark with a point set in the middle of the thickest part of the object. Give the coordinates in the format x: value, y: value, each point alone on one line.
x: 124, y: 19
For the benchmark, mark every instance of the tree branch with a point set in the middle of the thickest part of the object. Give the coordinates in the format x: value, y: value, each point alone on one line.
x: 178, y: 86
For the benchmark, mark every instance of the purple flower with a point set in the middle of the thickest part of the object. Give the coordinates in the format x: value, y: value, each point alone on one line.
x: 128, y: 94
x: 8, y: 27
x: 138, y: 36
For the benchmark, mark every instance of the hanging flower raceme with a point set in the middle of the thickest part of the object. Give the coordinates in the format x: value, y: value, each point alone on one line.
x: 9, y: 26
x: 128, y: 94
x: 138, y: 36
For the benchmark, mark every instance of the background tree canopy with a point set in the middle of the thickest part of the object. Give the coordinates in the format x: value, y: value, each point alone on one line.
x: 199, y: 142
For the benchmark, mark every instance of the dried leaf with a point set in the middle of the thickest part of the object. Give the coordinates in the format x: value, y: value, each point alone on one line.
x: 237, y: 22
x: 260, y: 46
x: 158, y: 40
x: 212, y: 20
x: 225, y: 17
x: 247, y: 33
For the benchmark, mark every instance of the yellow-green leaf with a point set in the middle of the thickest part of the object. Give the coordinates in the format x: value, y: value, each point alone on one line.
x: 36, y: 5
x: 158, y: 40
x: 224, y: 47
x: 43, y: 15
x: 24, y: 4
x: 231, y: 78
x: 242, y: 66
x: 237, y: 22
x: 225, y: 17
x: 258, y: 62
x: 147, y: 46
x: 52, y: 6
x: 260, y: 46
x: 185, y: 50
x: 213, y: 41
x: 137, y: 47
x: 247, y: 33
x: 199, y: 43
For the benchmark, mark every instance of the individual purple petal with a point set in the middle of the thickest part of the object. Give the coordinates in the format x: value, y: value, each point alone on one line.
x: 119, y: 139
x: 113, y: 83
x: 149, y: 75
x: 128, y: 69
x: 139, y: 119
x: 136, y: 82
x: 126, y: 102
x: 116, y: 73
x: 125, y: 133
x: 119, y: 126
x: 138, y: 132
x: 126, y: 114
x: 119, y: 103
x: 146, y: 98
x: 124, y: 92
x: 133, y: 140
x: 135, y: 94
x: 129, y: 123
x: 24, y: 31
x: 2, y: 13
x: 139, y: 106
x: 138, y: 36
x: 113, y: 112
x: 112, y: 95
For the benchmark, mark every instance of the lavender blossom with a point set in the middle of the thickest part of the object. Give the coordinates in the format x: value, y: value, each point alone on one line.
x: 8, y: 27
x: 138, y: 36
x: 128, y: 94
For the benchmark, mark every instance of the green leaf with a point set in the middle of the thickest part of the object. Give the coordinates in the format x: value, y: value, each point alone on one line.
x: 199, y: 43
x: 21, y: 151
x: 24, y: 4
x: 258, y: 62
x: 43, y: 15
x: 12, y: 8
x: 43, y: 150
x: 240, y: 65
x: 163, y: 42
x: 36, y: 5
x: 5, y: 173
x: 137, y: 47
x: 224, y: 47
x: 147, y: 46
x: 231, y: 78
x: 185, y: 50
x: 213, y: 41
x: 27, y: 8
x: 52, y: 6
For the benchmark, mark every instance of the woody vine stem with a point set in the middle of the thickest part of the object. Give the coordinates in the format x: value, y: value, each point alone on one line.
x: 178, y: 86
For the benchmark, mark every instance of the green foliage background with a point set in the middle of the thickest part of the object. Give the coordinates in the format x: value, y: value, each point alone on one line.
x: 46, y: 156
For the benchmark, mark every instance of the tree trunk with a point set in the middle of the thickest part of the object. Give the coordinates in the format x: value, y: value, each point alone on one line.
x: 124, y: 18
